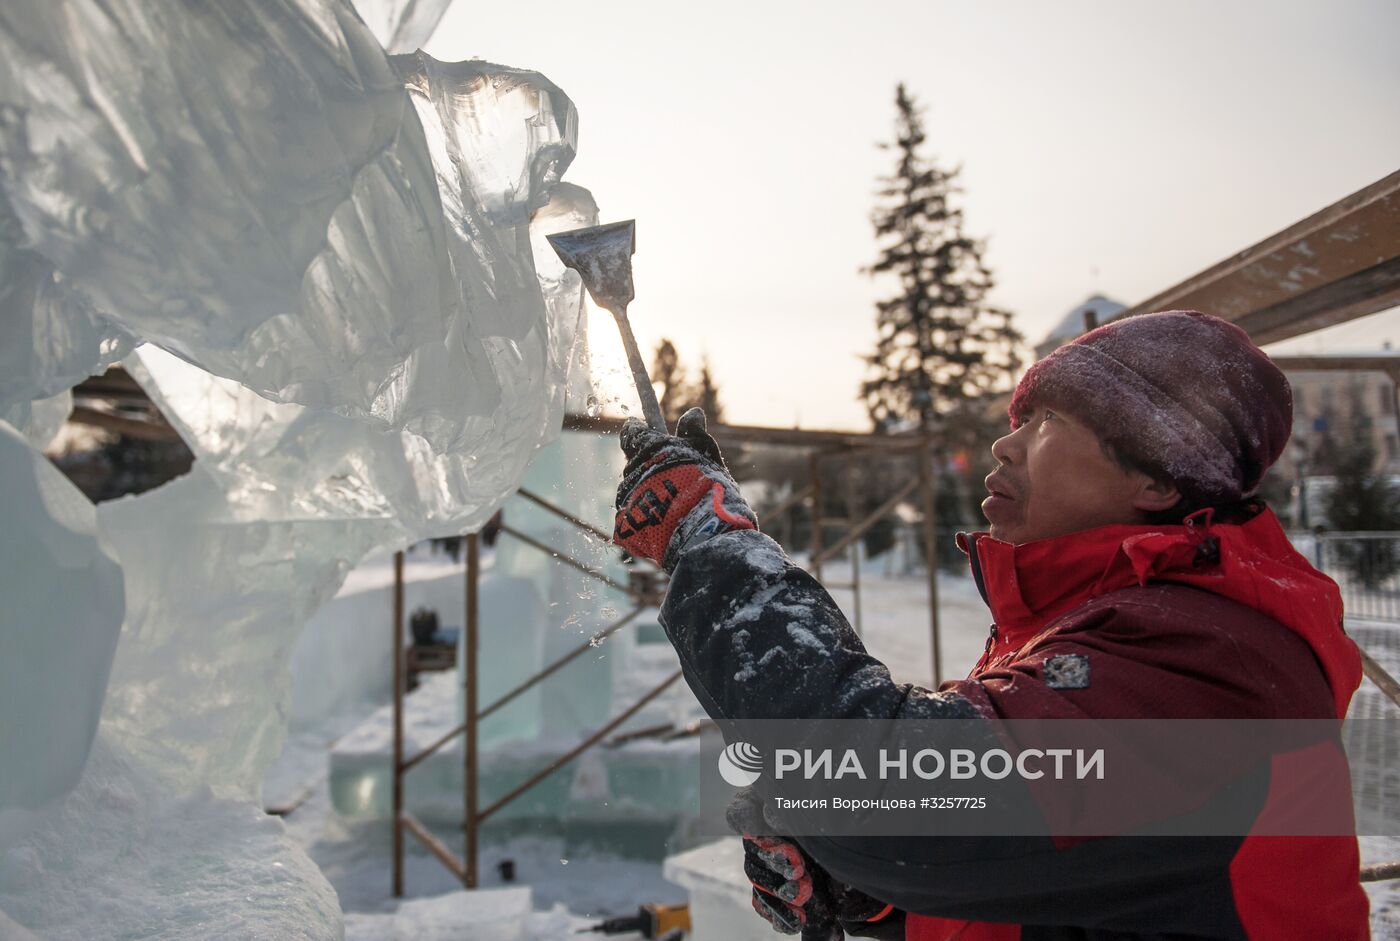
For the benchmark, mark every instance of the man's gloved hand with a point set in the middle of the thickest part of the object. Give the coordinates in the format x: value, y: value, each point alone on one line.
x: 675, y: 491
x: 793, y: 894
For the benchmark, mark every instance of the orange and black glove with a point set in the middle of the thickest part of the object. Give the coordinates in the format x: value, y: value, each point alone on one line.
x: 794, y: 894
x: 676, y: 491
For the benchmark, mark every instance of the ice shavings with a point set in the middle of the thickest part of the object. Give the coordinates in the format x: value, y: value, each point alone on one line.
x: 766, y: 557
x: 804, y: 637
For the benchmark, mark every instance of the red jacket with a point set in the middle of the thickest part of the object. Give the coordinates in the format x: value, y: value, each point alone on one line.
x: 1179, y: 622
x: 1200, y: 621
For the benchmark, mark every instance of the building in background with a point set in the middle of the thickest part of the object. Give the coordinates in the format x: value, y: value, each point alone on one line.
x: 1096, y: 310
x: 1332, y: 408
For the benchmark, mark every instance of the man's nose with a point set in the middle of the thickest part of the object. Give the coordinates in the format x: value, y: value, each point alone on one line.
x: 1006, y: 449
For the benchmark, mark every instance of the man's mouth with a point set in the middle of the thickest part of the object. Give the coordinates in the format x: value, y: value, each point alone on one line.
x: 998, y: 487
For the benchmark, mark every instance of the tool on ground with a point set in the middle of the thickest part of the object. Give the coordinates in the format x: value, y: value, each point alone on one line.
x: 602, y: 255
x: 651, y: 921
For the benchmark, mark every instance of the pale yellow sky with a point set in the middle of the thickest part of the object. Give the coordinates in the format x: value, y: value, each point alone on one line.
x: 1109, y: 147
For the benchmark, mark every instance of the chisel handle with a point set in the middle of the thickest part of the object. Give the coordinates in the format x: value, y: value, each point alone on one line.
x: 651, y: 409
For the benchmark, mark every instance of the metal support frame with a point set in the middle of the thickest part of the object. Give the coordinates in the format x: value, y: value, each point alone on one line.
x: 465, y: 868
x: 853, y: 543
x: 814, y: 537
x: 819, y: 551
x: 928, y: 497
x: 396, y: 642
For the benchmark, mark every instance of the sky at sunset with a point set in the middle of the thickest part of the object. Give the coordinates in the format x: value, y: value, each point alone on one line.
x: 1111, y: 148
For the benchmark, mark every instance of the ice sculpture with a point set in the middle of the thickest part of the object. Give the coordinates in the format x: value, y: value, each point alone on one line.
x: 50, y: 337
x: 323, y: 489
x: 284, y: 459
x: 256, y: 198
x: 127, y: 857
x: 337, y: 264
x: 63, y: 606
x: 40, y: 420
x: 402, y: 25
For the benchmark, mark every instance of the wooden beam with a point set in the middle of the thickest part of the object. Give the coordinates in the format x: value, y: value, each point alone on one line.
x: 758, y: 434
x: 1366, y: 292
x: 138, y: 428
x: 1334, y: 266
x: 1373, y: 362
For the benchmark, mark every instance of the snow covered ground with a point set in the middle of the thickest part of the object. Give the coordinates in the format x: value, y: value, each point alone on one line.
x: 574, y: 887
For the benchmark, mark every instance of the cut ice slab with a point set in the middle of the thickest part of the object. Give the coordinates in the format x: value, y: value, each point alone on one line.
x: 59, y: 623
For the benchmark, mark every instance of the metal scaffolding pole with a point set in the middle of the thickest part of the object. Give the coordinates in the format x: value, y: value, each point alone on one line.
x: 396, y: 645
x: 854, y: 543
x: 815, y: 539
x: 928, y: 493
x: 471, y: 672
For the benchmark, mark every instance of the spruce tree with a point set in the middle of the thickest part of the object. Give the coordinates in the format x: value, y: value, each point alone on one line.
x: 707, y: 395
x: 942, y: 350
x: 668, y: 373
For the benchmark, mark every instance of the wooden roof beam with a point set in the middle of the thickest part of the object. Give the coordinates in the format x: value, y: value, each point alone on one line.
x: 1334, y: 266
x: 1388, y: 363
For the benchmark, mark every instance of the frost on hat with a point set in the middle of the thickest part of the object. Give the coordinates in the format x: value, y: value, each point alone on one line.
x: 1182, y: 392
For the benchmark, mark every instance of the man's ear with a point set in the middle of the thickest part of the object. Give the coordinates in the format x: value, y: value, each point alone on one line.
x: 1155, y: 495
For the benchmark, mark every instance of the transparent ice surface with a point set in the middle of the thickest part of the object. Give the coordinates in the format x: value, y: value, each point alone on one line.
x: 259, y: 199
x: 50, y: 337
x: 40, y: 419
x: 402, y: 25
x: 336, y: 264
x: 62, y: 611
x: 216, y: 596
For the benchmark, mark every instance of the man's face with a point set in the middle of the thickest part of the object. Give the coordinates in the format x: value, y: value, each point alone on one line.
x: 1053, y: 478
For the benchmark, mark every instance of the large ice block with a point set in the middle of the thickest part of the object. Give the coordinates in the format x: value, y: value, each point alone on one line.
x: 59, y: 620
x: 50, y: 336
x: 284, y: 458
x: 362, y: 346
x: 257, y: 197
x: 216, y: 597
x: 402, y: 25
x: 40, y: 420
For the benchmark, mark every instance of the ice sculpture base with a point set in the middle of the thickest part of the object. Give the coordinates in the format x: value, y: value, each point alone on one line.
x: 123, y: 853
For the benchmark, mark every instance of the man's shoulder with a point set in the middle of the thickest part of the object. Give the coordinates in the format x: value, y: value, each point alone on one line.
x: 1166, y: 608
x: 1197, y: 639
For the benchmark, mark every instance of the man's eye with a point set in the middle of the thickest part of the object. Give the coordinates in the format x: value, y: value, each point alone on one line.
x: 1047, y: 414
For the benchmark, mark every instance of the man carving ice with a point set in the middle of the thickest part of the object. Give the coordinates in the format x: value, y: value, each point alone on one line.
x: 1130, y: 575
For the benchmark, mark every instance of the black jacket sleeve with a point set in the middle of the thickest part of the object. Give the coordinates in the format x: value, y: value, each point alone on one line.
x: 759, y: 638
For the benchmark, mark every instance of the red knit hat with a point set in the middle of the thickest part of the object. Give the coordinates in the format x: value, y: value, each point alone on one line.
x: 1184, y: 393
